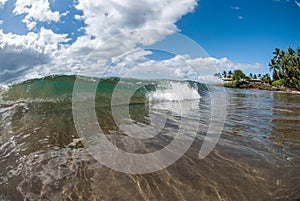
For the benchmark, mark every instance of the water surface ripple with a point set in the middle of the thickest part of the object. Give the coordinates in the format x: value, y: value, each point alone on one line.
x: 257, y: 157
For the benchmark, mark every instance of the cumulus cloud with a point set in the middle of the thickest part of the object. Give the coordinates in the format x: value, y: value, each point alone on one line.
x: 65, y: 13
x: 20, y: 53
x: 110, y: 24
x: 109, y: 31
x: 106, y: 21
x: 35, y: 11
x: 221, y: 64
x: 137, y: 64
x: 45, y: 41
x: 107, y: 18
x: 16, y: 62
x: 2, y: 2
x: 108, y: 34
x: 79, y: 17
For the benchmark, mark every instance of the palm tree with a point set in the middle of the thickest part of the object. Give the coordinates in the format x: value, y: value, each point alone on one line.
x: 218, y: 75
x: 238, y: 76
x: 274, y: 64
x: 285, y: 66
x: 224, y: 74
x: 266, y: 78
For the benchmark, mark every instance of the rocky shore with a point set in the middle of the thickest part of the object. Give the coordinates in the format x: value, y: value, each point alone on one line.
x: 254, y: 86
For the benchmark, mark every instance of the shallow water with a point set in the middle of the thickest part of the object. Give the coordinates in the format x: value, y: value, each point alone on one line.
x: 257, y: 157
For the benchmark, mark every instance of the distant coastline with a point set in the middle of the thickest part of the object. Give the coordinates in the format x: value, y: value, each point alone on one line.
x: 262, y: 86
x: 285, y: 69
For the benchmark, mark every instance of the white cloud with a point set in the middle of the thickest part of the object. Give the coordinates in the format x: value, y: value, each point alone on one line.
x: 35, y: 11
x: 108, y: 29
x: 41, y: 54
x: 79, y: 17
x: 2, y: 2
x: 45, y: 41
x: 104, y: 19
x: 65, y: 13
x: 1, y: 22
x: 240, y: 17
x: 111, y: 23
x: 235, y: 7
x: 221, y: 64
x: 109, y: 34
x: 178, y: 67
x: 297, y: 3
x: 21, y: 53
x: 211, y: 79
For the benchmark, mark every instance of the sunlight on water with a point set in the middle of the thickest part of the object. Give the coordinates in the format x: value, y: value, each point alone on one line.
x: 257, y: 157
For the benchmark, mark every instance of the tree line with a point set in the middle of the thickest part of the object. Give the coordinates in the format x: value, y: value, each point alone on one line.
x: 284, y: 68
x: 240, y: 77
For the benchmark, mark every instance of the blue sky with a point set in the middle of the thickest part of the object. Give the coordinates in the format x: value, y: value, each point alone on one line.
x: 42, y: 37
x: 242, y: 30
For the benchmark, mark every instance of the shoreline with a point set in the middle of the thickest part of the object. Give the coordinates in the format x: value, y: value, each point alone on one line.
x: 266, y: 87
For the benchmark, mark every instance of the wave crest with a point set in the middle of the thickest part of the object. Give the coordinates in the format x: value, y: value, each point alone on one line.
x: 175, y: 91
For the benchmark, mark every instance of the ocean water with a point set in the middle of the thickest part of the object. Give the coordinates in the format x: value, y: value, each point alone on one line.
x: 42, y: 157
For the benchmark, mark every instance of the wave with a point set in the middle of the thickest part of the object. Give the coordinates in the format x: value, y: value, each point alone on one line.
x: 60, y: 87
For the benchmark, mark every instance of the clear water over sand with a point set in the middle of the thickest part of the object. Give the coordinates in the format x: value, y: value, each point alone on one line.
x: 257, y: 157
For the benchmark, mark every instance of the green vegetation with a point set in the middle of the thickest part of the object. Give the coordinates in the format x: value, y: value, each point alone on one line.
x: 239, y: 77
x: 230, y: 85
x: 284, y: 67
x: 278, y: 83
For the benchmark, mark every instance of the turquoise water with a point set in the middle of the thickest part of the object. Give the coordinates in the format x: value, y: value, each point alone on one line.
x: 43, y: 158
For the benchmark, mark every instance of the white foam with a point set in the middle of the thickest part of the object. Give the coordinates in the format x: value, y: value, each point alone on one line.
x: 175, y: 91
x: 3, y: 89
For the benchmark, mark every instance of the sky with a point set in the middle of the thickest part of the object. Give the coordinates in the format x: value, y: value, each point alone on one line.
x: 142, y: 37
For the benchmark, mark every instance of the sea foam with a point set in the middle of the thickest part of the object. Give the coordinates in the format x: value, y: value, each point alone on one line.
x: 174, y: 91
